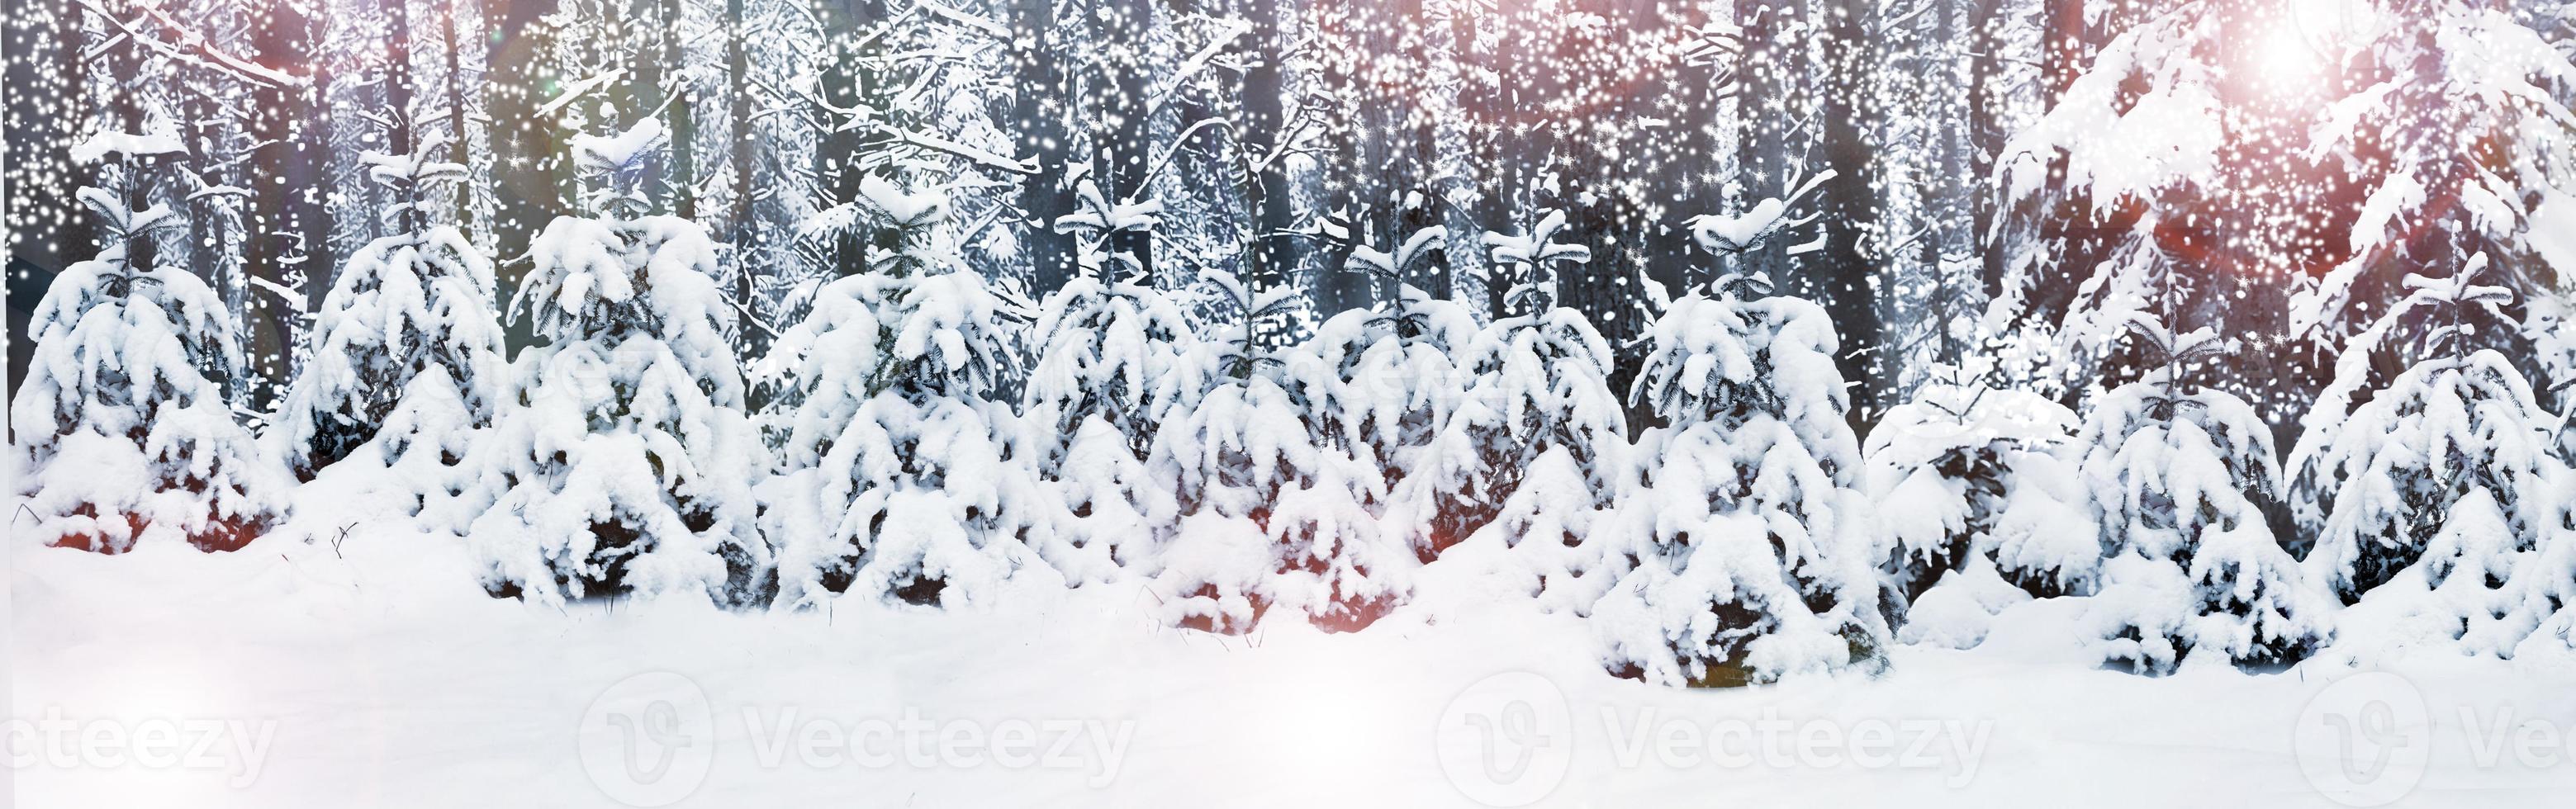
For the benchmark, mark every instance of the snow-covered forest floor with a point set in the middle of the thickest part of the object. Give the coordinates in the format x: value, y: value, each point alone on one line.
x: 370, y: 671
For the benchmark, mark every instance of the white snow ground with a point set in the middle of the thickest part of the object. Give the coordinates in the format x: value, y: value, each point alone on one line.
x: 375, y: 673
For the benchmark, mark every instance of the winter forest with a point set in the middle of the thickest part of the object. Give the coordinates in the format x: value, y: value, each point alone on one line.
x: 1740, y: 342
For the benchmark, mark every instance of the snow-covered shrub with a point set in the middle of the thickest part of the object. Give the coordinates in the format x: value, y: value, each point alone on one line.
x: 2192, y: 569
x: 123, y: 433
x: 1272, y: 511
x: 2441, y: 480
x: 1112, y: 352
x: 1976, y: 506
x: 2545, y: 581
x: 2440, y: 434
x: 1384, y: 386
x: 902, y: 480
x: 1524, y: 481
x: 623, y: 459
x: 1267, y: 515
x: 1757, y: 560
x: 2552, y: 328
x: 406, y: 350
x: 1110, y: 368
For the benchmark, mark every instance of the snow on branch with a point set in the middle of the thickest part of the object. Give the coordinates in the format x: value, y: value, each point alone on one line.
x: 1730, y: 234
x: 980, y: 24
x: 971, y: 154
x: 577, y: 89
x: 163, y: 139
x: 860, y: 117
x: 1230, y: 30
x: 193, y: 46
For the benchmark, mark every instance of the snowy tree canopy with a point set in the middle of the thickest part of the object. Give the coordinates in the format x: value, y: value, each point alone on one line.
x: 624, y: 460
x: 407, y: 340
x: 128, y: 438
x: 1757, y: 562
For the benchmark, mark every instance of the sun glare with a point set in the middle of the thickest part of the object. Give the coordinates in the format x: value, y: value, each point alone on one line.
x: 2298, y: 45
x: 2288, y: 60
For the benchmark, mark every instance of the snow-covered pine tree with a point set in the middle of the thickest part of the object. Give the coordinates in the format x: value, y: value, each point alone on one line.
x: 1273, y: 511
x: 901, y: 478
x: 1756, y: 561
x: 1388, y: 385
x: 2098, y: 196
x: 406, y: 351
x: 1529, y: 260
x: 2552, y: 327
x: 1097, y: 220
x: 2437, y: 486
x: 2545, y: 582
x: 1729, y: 236
x: 124, y: 436
x: 2192, y: 571
x: 1523, y: 483
x: 2456, y: 137
x: 1978, y: 507
x: 2459, y: 134
x: 623, y: 460
x: 1111, y: 366
x: 2176, y: 146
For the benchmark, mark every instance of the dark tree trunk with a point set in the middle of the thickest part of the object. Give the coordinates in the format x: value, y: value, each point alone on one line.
x: 461, y: 147
x: 1038, y: 115
x: 1839, y: 273
x: 1986, y: 134
x: 680, y: 94
x: 1264, y: 91
x: 844, y: 84
x: 1129, y: 136
x: 289, y: 227
x: 398, y: 108
x: 744, y: 157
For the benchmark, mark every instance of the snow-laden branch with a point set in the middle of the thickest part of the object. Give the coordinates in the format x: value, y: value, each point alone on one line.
x: 293, y: 300
x: 856, y: 117
x: 1231, y: 30
x: 1156, y: 168
x: 1730, y: 234
x: 971, y: 154
x: 578, y: 89
x: 985, y: 26
x: 192, y: 46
